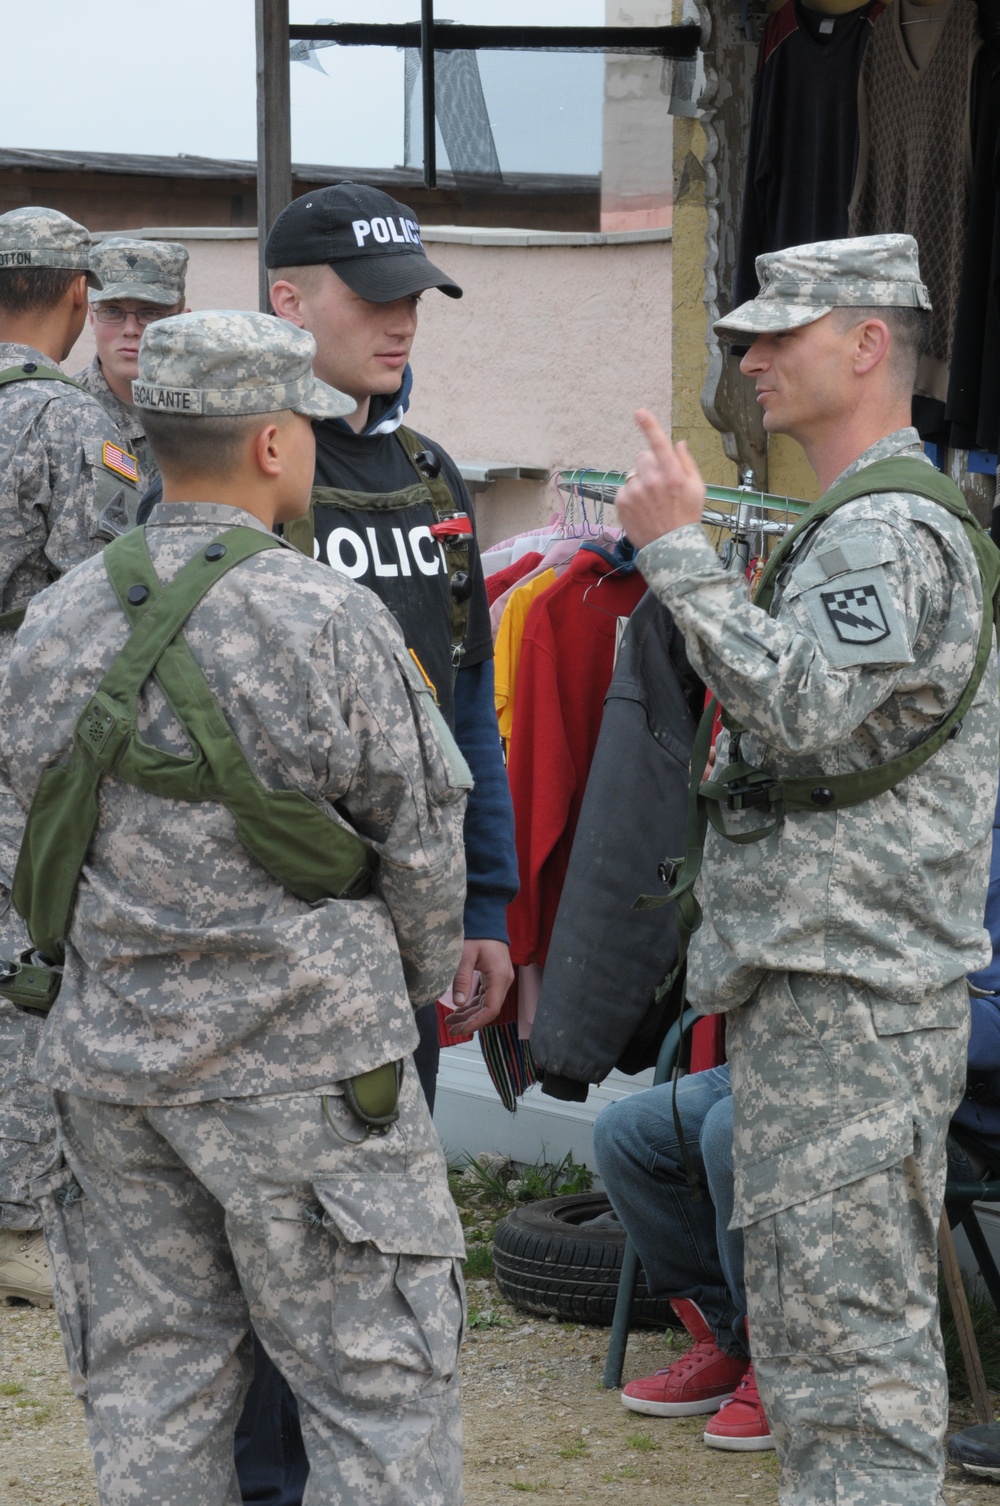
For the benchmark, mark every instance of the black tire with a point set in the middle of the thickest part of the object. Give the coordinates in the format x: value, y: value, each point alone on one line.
x: 549, y: 1258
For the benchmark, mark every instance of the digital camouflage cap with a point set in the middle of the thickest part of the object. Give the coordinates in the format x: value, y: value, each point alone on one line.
x: 224, y: 363
x: 802, y: 283
x: 149, y: 271
x: 39, y: 237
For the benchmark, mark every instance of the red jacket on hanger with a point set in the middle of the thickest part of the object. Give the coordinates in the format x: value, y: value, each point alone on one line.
x: 567, y: 656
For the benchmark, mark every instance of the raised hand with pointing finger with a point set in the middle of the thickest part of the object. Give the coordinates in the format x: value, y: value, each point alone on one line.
x: 664, y: 491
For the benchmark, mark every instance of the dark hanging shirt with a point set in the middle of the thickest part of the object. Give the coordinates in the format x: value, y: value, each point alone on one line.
x: 803, y: 133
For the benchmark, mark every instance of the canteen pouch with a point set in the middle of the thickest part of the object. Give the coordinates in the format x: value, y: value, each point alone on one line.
x: 373, y: 1097
x: 30, y: 985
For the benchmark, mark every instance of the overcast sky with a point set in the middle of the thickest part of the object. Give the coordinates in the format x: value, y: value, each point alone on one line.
x: 136, y: 76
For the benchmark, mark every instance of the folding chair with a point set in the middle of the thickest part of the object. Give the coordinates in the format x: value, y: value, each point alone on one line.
x: 621, y: 1322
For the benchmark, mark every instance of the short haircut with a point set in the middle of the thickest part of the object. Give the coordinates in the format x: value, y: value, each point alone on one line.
x: 305, y: 277
x: 27, y: 290
x: 910, y: 329
x: 188, y: 445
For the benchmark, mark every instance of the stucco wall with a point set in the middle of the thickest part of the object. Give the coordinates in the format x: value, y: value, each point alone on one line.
x: 558, y: 339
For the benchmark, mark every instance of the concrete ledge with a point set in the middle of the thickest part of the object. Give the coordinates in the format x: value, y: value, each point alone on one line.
x: 474, y: 235
x: 455, y: 235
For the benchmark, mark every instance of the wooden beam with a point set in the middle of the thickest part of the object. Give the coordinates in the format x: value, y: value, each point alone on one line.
x: 274, y: 125
x: 963, y: 1322
x: 427, y: 81
x: 657, y: 41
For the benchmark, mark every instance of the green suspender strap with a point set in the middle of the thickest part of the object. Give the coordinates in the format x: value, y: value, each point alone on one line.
x: 291, y: 835
x: 740, y: 785
x: 29, y: 372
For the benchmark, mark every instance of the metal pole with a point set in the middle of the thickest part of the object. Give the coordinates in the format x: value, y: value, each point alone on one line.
x: 274, y: 126
x: 427, y: 66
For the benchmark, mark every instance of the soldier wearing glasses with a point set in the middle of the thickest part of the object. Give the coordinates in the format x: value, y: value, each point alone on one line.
x: 143, y: 281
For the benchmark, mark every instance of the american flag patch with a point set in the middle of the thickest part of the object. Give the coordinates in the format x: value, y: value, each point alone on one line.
x: 122, y: 462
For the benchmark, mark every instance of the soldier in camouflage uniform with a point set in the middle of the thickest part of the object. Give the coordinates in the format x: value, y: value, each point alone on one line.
x: 209, y: 1020
x: 67, y: 484
x: 839, y: 942
x: 143, y: 281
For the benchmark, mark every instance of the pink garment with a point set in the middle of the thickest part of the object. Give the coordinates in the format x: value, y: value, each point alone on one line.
x: 556, y: 557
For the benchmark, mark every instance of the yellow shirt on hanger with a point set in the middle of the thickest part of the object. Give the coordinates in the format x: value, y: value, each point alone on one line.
x: 507, y: 649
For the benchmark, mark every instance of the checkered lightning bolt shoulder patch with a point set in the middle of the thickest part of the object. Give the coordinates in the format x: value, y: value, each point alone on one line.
x: 856, y: 614
x: 122, y: 462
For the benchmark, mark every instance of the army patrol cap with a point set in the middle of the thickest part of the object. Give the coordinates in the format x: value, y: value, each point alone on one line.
x: 38, y: 237
x: 148, y: 271
x: 220, y: 363
x: 801, y: 284
x: 371, y: 242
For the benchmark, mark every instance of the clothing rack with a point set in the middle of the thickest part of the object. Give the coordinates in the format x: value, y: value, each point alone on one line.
x: 742, y: 512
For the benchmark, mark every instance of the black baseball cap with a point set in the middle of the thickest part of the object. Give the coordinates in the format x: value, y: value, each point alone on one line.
x: 371, y: 242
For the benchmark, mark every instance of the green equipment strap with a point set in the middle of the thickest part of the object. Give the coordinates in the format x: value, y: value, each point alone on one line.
x: 29, y: 372
x: 740, y: 785
x: 456, y: 545
x: 292, y: 836
x: 15, y: 616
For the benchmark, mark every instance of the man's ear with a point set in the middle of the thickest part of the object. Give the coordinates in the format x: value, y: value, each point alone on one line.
x: 79, y: 287
x: 268, y: 449
x: 873, y: 340
x: 286, y: 300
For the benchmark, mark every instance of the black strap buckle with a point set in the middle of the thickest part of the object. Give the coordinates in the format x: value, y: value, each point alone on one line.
x: 751, y: 793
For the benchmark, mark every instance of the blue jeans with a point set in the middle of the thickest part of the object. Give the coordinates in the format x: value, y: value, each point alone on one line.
x: 685, y: 1245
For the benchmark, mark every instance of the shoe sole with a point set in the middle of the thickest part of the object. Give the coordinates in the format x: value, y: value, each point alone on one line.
x: 984, y: 1471
x: 11, y: 1294
x: 739, y: 1445
x: 676, y: 1408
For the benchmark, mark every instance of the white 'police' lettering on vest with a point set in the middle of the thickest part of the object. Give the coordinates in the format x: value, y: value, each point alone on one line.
x: 385, y: 229
x: 355, y: 554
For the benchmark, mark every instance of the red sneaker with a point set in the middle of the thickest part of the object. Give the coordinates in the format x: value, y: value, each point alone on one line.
x: 741, y: 1425
x: 700, y: 1381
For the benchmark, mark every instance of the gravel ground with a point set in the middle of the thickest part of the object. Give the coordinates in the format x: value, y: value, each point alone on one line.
x: 537, y: 1422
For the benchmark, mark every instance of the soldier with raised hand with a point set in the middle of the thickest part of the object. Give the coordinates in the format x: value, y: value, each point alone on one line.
x: 67, y: 485
x: 846, y: 862
x: 273, y: 882
x: 142, y: 281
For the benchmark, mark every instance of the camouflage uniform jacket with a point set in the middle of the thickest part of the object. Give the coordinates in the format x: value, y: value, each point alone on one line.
x: 126, y: 419
x: 55, y: 482
x: 870, y: 641
x: 191, y: 974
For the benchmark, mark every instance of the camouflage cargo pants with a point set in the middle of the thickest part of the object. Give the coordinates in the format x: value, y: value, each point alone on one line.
x: 841, y: 1107
x: 27, y: 1124
x: 170, y: 1229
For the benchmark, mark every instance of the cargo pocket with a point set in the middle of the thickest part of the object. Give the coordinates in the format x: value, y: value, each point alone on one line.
x: 397, y: 1308
x: 61, y: 1198
x: 833, y: 1271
